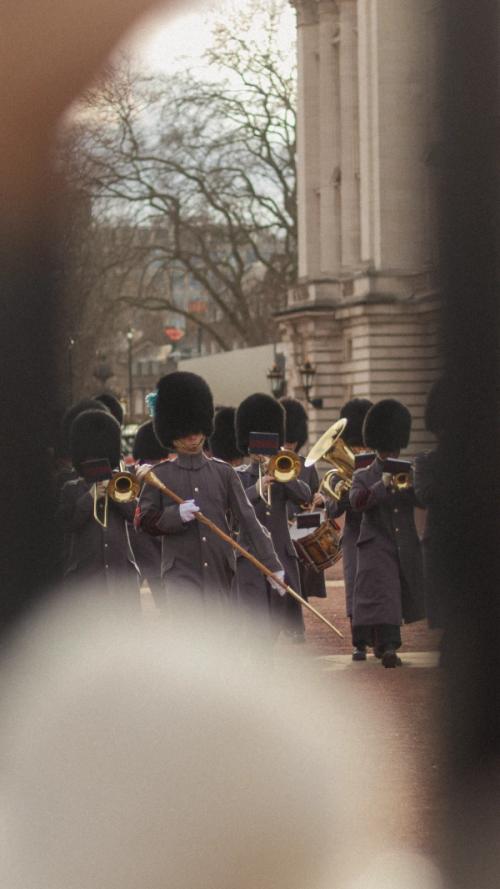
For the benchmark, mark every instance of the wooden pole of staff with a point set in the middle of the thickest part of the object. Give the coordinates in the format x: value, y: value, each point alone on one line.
x: 151, y: 479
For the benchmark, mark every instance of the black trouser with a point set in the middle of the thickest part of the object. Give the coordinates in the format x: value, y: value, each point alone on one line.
x: 381, y: 637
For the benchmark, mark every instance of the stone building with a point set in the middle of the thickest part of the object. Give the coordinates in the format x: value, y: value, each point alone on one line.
x: 365, y: 308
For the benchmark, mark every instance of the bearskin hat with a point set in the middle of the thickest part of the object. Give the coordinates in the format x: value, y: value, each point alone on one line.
x: 95, y: 435
x: 112, y: 404
x: 296, y: 425
x: 184, y: 407
x: 354, y: 411
x: 437, y: 406
x: 387, y: 426
x: 85, y: 404
x: 147, y: 448
x: 223, y: 440
x: 259, y: 413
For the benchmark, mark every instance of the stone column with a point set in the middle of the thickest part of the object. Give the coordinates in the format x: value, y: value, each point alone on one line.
x: 349, y: 135
x: 370, y: 235
x: 395, y: 70
x: 308, y: 125
x: 403, y: 133
x: 329, y: 137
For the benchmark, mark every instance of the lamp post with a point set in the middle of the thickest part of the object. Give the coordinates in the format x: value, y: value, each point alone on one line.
x: 130, y: 336
x: 276, y: 379
x: 102, y: 370
x: 308, y: 373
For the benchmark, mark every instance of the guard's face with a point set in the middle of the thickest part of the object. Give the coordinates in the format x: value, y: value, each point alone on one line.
x: 190, y: 444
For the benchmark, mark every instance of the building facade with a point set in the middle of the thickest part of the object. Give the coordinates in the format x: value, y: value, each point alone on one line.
x: 365, y: 308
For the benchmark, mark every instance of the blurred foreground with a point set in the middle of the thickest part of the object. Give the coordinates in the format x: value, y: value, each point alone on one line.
x: 139, y: 757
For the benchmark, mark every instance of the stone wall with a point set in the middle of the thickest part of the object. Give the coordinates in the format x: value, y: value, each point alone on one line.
x: 365, y: 309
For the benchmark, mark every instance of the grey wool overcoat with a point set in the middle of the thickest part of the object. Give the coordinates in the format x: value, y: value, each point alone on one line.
x: 350, y: 534
x: 389, y: 579
x: 196, y: 563
x: 252, y: 586
x: 312, y: 583
x: 102, y: 556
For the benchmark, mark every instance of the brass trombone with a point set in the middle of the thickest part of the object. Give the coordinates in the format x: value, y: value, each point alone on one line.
x: 122, y: 487
x: 284, y: 466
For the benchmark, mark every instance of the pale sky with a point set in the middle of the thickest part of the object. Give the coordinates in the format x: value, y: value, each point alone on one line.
x: 171, y: 41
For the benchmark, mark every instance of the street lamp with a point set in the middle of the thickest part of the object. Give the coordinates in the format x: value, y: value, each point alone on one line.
x: 102, y: 370
x: 276, y: 379
x: 308, y: 373
x: 130, y: 336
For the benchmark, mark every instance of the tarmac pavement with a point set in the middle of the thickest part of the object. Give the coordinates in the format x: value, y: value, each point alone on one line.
x: 408, y: 703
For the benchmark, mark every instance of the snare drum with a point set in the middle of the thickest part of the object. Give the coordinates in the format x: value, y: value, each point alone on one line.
x: 320, y: 548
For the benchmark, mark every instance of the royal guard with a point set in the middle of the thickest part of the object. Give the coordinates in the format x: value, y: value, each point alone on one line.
x: 388, y: 588
x: 97, y: 526
x: 354, y: 411
x: 65, y: 469
x: 113, y: 405
x: 312, y: 583
x: 198, y: 566
x: 147, y: 549
x: 271, y: 500
x: 222, y: 442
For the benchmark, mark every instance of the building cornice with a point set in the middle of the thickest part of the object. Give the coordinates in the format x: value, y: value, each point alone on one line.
x: 370, y: 301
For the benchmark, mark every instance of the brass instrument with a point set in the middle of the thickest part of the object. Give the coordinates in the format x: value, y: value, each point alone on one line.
x: 332, y: 448
x: 333, y: 487
x: 151, y: 479
x: 402, y: 481
x: 122, y: 487
x: 284, y: 466
x: 401, y: 472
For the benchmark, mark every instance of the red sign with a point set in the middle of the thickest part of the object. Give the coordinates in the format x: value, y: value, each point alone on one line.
x: 174, y: 333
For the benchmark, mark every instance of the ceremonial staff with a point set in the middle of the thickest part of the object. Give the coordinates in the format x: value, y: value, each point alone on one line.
x: 151, y: 479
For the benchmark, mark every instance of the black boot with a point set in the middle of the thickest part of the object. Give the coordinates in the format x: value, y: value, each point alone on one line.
x: 359, y: 654
x: 390, y: 658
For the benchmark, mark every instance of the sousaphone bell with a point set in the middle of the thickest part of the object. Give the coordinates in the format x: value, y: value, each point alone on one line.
x: 332, y: 448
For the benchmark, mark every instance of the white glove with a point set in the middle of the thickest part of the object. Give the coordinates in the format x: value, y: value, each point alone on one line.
x: 188, y: 510
x: 387, y: 479
x: 274, y: 585
x: 142, y: 470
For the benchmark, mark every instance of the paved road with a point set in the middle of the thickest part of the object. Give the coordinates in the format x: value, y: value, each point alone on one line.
x: 408, y: 702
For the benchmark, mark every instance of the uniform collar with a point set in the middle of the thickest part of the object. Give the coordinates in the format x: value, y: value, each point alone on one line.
x: 191, y: 461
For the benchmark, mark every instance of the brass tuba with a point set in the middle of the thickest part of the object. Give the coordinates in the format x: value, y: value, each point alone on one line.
x: 332, y: 448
